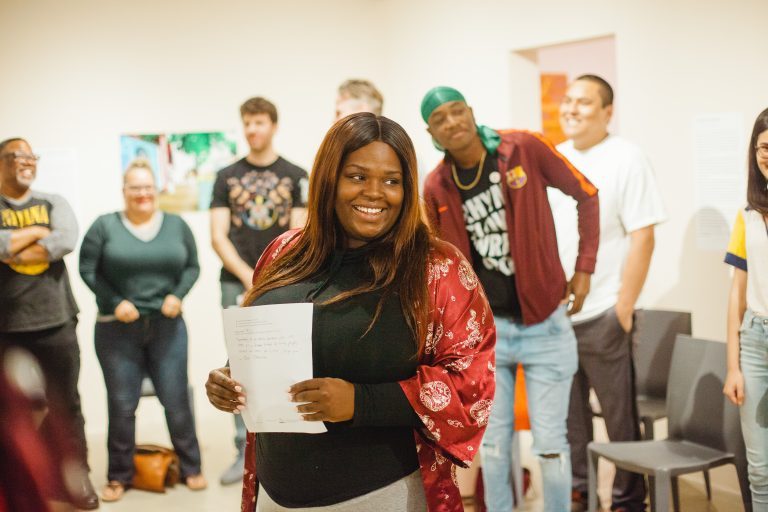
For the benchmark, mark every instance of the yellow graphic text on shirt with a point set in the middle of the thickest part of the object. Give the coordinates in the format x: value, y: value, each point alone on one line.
x: 30, y: 215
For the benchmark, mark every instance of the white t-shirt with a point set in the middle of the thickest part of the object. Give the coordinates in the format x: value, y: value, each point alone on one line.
x: 629, y: 200
x: 748, y: 250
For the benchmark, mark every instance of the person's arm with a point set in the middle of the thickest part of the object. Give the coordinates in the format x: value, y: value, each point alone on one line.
x: 192, y: 268
x: 12, y: 242
x: 223, y: 392
x: 30, y: 255
x: 641, y: 244
x: 640, y: 209
x: 64, y: 231
x: 220, y: 225
x: 299, y: 200
x: 737, y: 305
x: 171, y: 306
x: 558, y: 172
x: 90, y: 261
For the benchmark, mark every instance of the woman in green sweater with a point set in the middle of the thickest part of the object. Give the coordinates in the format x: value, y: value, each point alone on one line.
x: 141, y: 263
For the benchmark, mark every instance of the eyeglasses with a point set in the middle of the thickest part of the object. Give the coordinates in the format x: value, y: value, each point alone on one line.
x: 762, y: 150
x: 18, y: 155
x: 133, y: 189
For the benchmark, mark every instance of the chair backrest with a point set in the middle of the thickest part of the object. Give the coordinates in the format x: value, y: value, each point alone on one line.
x: 697, y: 410
x: 655, y: 334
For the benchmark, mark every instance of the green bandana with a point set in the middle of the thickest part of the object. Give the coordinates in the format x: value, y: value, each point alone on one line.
x: 442, y: 94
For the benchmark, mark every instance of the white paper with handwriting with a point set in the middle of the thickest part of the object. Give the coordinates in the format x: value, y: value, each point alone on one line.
x: 270, y: 349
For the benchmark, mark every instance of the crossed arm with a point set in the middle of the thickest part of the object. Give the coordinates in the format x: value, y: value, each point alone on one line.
x: 24, y: 246
x: 39, y: 244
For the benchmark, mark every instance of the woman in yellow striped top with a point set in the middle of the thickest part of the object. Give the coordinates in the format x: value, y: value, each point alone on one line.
x: 746, y: 383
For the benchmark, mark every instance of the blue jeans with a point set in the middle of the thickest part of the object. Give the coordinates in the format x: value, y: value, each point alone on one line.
x: 754, y: 411
x: 547, y: 351
x: 154, y: 346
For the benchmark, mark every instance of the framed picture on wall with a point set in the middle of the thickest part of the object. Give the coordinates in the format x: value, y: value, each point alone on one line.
x: 185, y: 164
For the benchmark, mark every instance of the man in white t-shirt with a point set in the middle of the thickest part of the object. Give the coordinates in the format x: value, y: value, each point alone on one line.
x: 630, y: 207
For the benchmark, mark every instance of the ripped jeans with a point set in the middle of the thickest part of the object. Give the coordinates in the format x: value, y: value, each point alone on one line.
x: 547, y: 351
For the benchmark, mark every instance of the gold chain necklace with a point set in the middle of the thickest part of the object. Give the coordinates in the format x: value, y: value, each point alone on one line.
x: 477, y: 176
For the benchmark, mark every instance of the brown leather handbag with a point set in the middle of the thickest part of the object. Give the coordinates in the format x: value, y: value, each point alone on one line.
x: 157, y: 467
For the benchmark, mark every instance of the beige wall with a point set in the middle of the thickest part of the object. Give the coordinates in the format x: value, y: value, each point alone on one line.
x: 76, y: 74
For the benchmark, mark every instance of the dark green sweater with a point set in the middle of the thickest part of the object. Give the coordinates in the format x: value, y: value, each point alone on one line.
x: 116, y: 265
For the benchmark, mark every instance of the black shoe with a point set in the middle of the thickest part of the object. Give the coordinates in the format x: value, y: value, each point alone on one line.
x: 85, y: 497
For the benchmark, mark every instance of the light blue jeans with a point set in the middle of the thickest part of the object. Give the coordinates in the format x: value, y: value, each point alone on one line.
x: 547, y: 351
x: 754, y: 411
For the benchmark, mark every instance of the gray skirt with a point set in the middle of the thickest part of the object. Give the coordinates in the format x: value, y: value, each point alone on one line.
x: 406, y: 495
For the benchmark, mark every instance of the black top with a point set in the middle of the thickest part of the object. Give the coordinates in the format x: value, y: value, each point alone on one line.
x: 377, y: 447
x: 260, y: 200
x: 486, y: 221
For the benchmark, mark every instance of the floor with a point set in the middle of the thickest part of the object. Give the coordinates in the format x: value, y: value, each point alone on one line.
x: 217, y: 451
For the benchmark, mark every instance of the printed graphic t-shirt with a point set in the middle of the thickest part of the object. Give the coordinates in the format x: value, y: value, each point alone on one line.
x: 260, y: 200
x: 485, y: 218
x: 37, y: 296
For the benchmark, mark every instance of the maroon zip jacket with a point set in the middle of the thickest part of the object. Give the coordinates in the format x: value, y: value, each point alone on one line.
x: 528, y: 164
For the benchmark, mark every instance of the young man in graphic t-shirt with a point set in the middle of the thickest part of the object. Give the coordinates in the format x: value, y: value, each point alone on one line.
x: 630, y: 207
x: 254, y: 200
x: 488, y: 197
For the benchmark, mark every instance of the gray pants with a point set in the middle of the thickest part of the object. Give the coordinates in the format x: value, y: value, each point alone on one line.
x: 229, y: 292
x: 404, y: 495
x: 605, y: 365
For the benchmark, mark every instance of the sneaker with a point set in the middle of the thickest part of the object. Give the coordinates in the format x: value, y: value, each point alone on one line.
x: 234, y: 473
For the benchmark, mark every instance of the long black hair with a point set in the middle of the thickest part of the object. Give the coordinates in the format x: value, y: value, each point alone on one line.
x: 757, y: 193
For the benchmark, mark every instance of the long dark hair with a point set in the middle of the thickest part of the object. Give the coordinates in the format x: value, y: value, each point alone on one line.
x: 757, y: 195
x: 398, y: 260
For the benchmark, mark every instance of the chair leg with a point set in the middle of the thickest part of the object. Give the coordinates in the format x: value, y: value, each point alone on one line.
x: 708, y: 484
x: 652, y: 491
x: 661, y: 492
x: 648, y: 432
x: 592, y: 460
x: 675, y: 495
x: 746, y: 493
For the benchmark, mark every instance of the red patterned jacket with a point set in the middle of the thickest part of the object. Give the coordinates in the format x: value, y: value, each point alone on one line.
x: 453, y: 388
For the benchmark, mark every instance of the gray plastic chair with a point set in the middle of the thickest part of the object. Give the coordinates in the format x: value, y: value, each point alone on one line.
x: 704, y: 428
x: 655, y: 335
